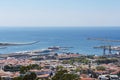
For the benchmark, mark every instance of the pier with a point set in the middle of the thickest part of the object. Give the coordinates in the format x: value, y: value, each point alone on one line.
x: 106, y: 47
x: 109, y: 48
x: 17, y: 44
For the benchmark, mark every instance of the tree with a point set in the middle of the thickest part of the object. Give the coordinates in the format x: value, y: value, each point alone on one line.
x: 59, y: 68
x: 0, y: 78
x: 27, y: 77
x: 59, y: 74
x: 64, y: 75
x: 70, y: 77
x: 106, y: 60
x: 100, y: 68
x: 18, y: 78
x: 118, y: 73
x: 31, y: 76
x: 11, y: 68
x: 23, y: 69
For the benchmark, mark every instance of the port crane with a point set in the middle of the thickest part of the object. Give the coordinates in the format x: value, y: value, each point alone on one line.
x: 109, y: 47
x: 101, y: 39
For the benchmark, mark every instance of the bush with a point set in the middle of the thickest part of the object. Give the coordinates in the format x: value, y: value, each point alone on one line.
x: 106, y: 61
x: 100, y: 68
x: 63, y: 75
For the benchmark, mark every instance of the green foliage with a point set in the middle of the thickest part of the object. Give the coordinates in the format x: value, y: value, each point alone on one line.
x: 44, y: 79
x: 59, y: 68
x: 78, y: 70
x: 0, y: 78
x: 102, y: 57
x: 70, y: 77
x: 22, y: 69
x: 25, y: 69
x: 31, y: 76
x: 18, y: 78
x: 90, y: 56
x: 11, y: 68
x: 100, y: 68
x: 59, y: 74
x: 82, y: 71
x: 106, y: 60
x: 63, y: 75
x: 65, y: 62
x: 118, y: 73
x: 34, y: 66
x: 80, y: 59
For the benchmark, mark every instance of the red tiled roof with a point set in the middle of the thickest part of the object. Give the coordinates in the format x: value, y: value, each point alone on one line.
x: 115, y: 72
x: 43, y: 76
x: 87, y: 79
x: 101, y: 72
x: 84, y: 75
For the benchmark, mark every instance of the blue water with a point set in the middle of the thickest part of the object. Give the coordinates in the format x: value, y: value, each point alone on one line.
x: 60, y: 36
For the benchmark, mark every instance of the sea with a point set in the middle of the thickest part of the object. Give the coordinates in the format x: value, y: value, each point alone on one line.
x: 74, y: 37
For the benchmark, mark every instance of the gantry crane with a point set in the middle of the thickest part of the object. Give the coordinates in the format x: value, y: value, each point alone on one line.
x: 109, y: 47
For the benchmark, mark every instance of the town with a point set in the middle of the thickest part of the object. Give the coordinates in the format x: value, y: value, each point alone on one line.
x: 50, y: 64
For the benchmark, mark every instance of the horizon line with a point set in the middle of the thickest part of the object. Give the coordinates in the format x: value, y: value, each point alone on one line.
x: 54, y: 26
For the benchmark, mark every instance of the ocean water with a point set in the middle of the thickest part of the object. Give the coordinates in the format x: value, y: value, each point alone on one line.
x: 75, y: 37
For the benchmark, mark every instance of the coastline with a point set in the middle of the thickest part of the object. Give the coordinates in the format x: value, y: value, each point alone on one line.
x: 75, y: 37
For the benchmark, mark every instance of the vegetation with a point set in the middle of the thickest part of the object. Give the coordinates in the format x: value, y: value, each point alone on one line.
x: 30, y: 76
x: 118, y: 73
x: 25, y: 69
x: 100, y: 68
x: 22, y: 69
x: 59, y: 68
x: 11, y: 68
x: 70, y: 77
x: 79, y: 60
x: 0, y: 78
x: 107, y: 60
x: 64, y: 75
x: 90, y: 56
x: 18, y: 78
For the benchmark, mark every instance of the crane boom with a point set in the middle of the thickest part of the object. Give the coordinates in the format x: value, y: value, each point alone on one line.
x: 110, y: 48
x: 101, y: 39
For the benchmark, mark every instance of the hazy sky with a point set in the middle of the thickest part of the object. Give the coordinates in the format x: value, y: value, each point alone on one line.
x: 59, y: 12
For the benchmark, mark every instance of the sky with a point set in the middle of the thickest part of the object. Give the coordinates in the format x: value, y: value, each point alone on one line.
x: 59, y: 13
